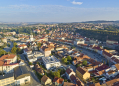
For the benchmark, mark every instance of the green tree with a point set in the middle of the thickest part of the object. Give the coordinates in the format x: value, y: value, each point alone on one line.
x: 84, y: 63
x: 64, y: 60
x: 15, y: 44
x: 30, y: 63
x: 2, y: 52
x: 79, y: 65
x: 57, y: 74
x: 69, y: 58
x: 14, y: 50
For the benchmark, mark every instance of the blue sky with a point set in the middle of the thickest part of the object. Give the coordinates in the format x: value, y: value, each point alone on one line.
x: 58, y: 10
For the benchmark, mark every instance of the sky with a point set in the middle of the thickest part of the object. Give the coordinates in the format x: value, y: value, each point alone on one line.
x: 58, y: 10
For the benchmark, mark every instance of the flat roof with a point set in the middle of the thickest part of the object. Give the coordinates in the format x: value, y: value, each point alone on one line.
x: 51, y: 59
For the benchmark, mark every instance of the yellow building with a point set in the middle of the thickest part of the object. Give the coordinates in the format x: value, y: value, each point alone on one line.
x: 7, y: 79
x: 82, y: 73
x: 46, y: 80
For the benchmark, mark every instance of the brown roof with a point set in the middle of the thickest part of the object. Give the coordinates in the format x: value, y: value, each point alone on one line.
x: 44, y: 78
x: 101, y: 72
x: 81, y: 70
x: 102, y: 67
x: 117, y: 66
x: 69, y: 84
x: 111, y: 72
x: 68, y: 71
x: 96, y: 84
x: 107, y: 54
x: 73, y: 78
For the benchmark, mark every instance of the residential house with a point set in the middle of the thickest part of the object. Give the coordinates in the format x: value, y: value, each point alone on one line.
x: 107, y: 55
x: 8, y: 62
x: 82, y: 73
x: 69, y: 72
x: 69, y: 84
x: 27, y: 51
x: 46, y: 80
x: 22, y: 46
x: 58, y: 81
x: 4, y: 40
x: 45, y: 50
x: 39, y: 69
x: 76, y: 80
x: 111, y: 44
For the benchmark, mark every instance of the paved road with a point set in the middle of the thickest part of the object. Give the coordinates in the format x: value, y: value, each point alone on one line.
x: 34, y: 80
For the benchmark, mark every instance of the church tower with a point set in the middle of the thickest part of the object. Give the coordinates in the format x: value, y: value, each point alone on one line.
x: 31, y: 37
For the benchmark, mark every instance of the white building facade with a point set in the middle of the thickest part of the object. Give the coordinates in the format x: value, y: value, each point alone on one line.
x: 50, y: 62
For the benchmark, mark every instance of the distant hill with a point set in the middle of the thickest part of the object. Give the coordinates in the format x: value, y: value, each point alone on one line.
x: 101, y: 21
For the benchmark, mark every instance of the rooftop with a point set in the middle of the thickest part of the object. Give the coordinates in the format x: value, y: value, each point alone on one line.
x: 51, y: 59
x: 20, y: 72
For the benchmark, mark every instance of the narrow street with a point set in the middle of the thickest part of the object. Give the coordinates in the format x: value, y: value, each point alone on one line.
x: 8, y: 49
x: 34, y: 80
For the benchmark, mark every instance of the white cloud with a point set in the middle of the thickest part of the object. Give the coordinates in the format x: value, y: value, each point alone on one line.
x: 78, y: 3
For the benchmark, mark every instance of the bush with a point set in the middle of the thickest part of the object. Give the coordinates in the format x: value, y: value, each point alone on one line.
x: 30, y: 63
x: 84, y: 63
x: 65, y: 80
x: 78, y: 65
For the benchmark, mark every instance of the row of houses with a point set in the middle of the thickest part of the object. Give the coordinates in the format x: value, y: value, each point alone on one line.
x: 13, y: 72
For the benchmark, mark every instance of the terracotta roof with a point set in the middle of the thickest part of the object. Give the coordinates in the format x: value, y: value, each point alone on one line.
x: 69, y: 84
x: 114, y: 82
x: 81, y: 70
x: 117, y: 66
x: 44, y: 78
x: 101, y: 72
x: 22, y: 45
x: 8, y: 56
x: 58, y: 80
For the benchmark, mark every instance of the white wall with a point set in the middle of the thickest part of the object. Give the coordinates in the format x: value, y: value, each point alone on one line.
x: 22, y: 80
